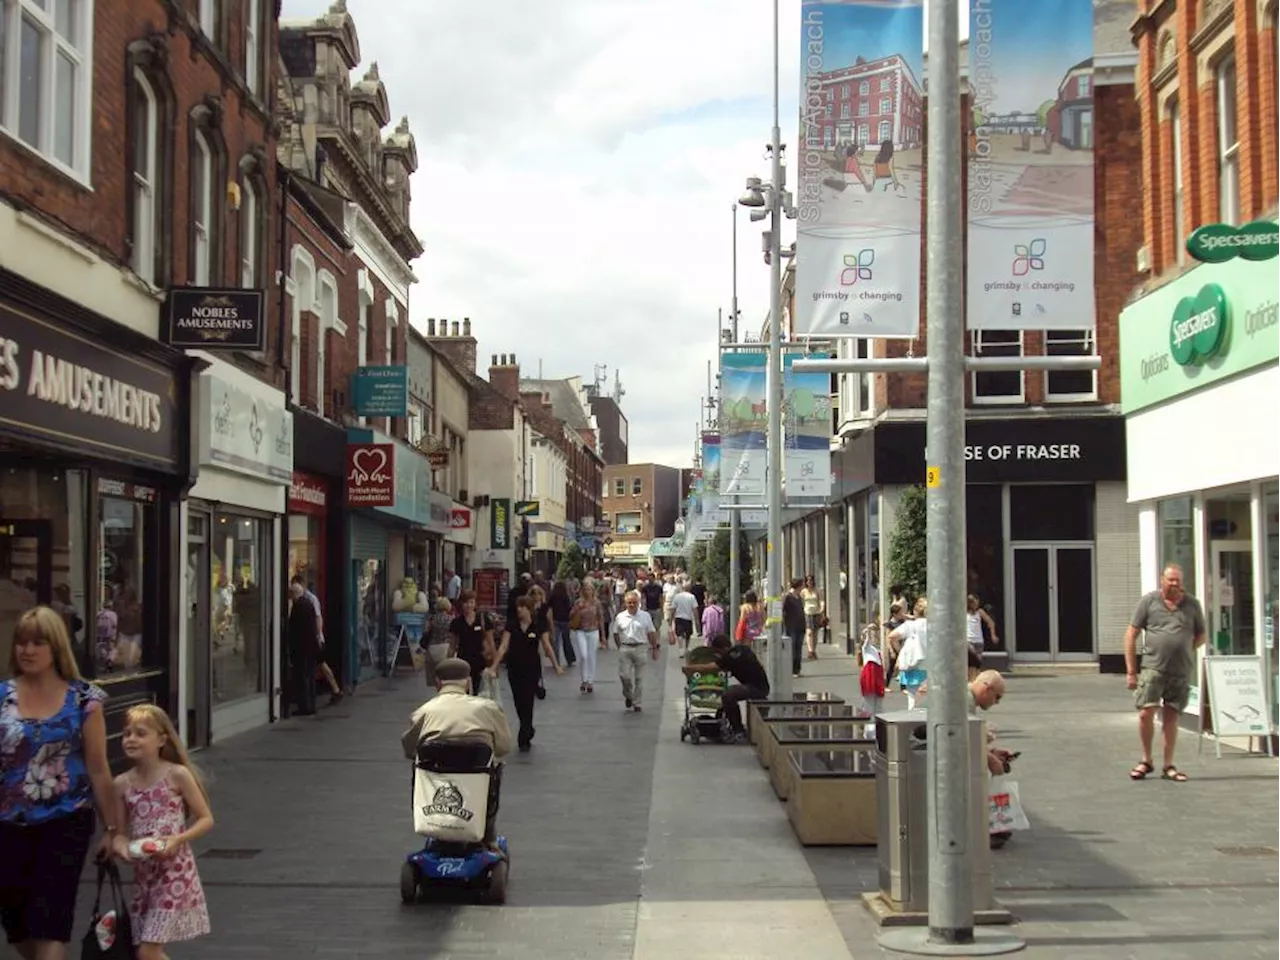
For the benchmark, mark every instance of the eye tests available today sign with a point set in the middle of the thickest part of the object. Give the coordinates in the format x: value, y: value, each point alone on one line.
x: 371, y: 475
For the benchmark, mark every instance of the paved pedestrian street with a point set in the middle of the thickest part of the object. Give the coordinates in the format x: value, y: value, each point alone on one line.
x: 627, y: 843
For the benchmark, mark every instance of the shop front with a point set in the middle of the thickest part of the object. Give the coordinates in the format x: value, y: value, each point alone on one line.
x: 388, y: 494
x: 318, y: 527
x: 234, y: 525
x: 1051, y: 539
x: 460, y: 540
x: 1200, y: 377
x: 93, y: 466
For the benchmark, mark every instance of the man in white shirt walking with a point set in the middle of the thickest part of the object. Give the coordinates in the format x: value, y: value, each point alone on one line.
x: 632, y: 631
x: 684, y: 613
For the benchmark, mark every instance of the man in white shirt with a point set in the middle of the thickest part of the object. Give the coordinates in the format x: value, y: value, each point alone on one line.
x: 452, y: 587
x: 632, y: 631
x: 684, y: 612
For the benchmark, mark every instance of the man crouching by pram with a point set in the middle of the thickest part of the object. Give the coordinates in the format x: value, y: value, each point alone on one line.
x: 741, y: 663
x: 453, y: 714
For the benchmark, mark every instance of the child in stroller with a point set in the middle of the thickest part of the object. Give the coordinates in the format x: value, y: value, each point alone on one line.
x: 704, y: 691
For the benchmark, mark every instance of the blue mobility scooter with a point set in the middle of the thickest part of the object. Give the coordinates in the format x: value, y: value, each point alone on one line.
x: 456, y: 787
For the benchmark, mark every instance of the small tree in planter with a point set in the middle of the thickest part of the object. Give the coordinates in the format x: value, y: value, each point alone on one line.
x: 908, y: 546
x: 572, y: 564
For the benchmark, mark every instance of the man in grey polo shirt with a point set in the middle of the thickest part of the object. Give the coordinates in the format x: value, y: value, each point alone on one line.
x: 1172, y: 626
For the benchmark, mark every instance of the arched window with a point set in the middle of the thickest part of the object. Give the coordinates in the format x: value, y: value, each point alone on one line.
x: 253, y: 222
x: 253, y: 46
x: 144, y: 114
x: 201, y: 210
x: 303, y: 276
x: 327, y: 289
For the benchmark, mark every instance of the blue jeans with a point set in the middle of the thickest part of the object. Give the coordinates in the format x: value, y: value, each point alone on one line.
x: 564, y: 643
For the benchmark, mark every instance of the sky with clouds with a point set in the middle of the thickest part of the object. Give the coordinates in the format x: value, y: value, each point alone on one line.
x: 578, y: 165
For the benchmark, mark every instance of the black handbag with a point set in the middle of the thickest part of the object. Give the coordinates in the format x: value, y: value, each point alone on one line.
x: 115, y: 925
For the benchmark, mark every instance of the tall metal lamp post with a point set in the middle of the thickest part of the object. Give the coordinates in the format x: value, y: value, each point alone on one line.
x: 770, y: 200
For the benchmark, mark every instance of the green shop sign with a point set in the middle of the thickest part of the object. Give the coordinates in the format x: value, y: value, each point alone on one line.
x: 1220, y: 242
x: 1213, y: 322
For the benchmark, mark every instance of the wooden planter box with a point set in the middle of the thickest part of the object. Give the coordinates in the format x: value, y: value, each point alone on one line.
x: 757, y: 709
x: 782, y: 773
x: 826, y: 714
x: 832, y: 798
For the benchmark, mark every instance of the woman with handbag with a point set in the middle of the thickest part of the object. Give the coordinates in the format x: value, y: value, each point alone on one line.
x: 53, y: 772
x: 524, y: 638
x: 750, y: 626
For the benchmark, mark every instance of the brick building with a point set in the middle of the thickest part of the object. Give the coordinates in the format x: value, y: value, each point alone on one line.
x: 1199, y: 351
x: 348, y: 244
x: 870, y: 102
x: 139, y: 161
x: 641, y: 504
x: 1038, y: 526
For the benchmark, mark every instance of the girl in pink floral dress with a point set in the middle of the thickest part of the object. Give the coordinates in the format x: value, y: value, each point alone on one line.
x: 166, y: 808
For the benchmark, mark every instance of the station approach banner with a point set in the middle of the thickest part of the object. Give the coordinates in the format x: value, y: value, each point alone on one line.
x: 1030, y: 177
x: 860, y: 169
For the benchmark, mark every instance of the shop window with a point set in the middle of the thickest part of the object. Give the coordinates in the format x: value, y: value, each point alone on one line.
x: 306, y: 551
x: 627, y: 523
x: 1067, y: 385
x: 997, y: 386
x: 1177, y: 538
x: 46, y: 85
x: 242, y: 616
x: 371, y: 615
x: 42, y: 558
x: 1051, y: 512
x: 121, y: 645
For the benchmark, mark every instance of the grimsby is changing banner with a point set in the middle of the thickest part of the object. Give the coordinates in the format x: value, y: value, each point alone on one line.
x: 1031, y: 136
x: 860, y: 169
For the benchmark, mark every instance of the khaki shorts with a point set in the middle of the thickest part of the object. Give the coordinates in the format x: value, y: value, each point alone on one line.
x: 1155, y: 688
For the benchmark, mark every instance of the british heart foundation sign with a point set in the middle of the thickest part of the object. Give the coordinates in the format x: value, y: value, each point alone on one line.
x: 371, y: 475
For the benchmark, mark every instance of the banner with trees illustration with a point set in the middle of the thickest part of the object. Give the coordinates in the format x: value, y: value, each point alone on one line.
x: 806, y: 426
x: 860, y: 172
x: 1030, y: 146
x: 743, y: 425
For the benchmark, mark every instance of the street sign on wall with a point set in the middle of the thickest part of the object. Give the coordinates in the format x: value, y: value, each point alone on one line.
x: 381, y: 391
x: 371, y: 477
x: 500, y: 524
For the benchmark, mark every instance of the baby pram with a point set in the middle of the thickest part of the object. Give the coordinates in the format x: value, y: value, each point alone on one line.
x: 703, y: 697
x: 456, y: 788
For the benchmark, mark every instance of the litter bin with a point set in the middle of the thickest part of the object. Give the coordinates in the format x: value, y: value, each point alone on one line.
x: 902, y: 781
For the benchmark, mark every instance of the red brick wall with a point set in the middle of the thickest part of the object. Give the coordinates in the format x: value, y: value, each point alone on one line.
x: 489, y: 409
x: 99, y: 217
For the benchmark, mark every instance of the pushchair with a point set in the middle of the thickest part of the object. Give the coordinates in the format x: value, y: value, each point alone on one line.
x: 705, y: 684
x: 455, y: 793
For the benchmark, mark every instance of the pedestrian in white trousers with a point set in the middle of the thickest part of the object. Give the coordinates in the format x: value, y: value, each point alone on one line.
x: 584, y: 631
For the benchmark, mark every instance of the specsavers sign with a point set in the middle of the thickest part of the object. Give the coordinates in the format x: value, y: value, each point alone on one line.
x: 1213, y: 322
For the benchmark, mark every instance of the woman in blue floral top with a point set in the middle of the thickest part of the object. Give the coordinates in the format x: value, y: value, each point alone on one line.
x: 53, y: 770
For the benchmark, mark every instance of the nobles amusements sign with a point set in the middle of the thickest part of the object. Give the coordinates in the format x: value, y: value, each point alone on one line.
x: 203, y: 318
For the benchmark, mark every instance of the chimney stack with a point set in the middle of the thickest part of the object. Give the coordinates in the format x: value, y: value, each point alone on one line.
x: 461, y: 350
x: 455, y: 328
x: 504, y: 375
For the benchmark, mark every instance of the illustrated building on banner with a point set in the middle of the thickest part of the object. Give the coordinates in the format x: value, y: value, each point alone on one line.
x: 860, y: 180
x: 806, y: 421
x: 743, y: 425
x: 1030, y: 145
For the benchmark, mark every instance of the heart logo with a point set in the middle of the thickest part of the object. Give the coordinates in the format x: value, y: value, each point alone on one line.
x: 1199, y: 326
x: 369, y: 465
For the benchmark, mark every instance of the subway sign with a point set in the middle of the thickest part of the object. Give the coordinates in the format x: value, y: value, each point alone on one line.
x: 1220, y: 242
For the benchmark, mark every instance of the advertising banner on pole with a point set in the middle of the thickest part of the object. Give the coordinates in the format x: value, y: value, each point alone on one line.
x: 806, y: 426
x: 743, y: 425
x: 1030, y: 133
x: 861, y: 169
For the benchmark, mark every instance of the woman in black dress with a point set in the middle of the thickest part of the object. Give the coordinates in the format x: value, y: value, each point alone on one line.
x: 472, y: 638
x: 523, y: 639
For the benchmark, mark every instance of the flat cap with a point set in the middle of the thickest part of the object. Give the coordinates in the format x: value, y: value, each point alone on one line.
x: 453, y: 670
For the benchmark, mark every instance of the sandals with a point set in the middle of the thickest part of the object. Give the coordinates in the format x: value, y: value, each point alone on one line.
x: 1141, y: 770
x: 1173, y: 773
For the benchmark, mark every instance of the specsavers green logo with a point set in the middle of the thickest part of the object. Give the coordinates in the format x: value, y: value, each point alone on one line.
x: 1220, y: 242
x: 1199, y: 326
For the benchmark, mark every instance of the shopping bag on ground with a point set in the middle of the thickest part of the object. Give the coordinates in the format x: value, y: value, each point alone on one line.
x: 110, y: 935
x: 1006, y: 813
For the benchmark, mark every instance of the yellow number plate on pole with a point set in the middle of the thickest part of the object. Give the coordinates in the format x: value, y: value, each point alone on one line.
x: 932, y: 477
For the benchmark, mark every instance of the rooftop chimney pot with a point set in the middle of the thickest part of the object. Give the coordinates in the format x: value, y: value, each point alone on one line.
x: 431, y: 326
x: 455, y: 328
x: 466, y: 326
x: 494, y: 362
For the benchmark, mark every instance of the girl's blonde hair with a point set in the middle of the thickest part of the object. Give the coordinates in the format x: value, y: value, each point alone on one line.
x: 172, y: 750
x: 45, y: 623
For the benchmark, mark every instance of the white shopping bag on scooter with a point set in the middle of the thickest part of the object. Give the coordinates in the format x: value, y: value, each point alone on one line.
x: 450, y: 806
x: 1006, y: 813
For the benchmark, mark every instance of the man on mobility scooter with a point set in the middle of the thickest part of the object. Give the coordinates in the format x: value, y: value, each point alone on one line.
x: 455, y: 740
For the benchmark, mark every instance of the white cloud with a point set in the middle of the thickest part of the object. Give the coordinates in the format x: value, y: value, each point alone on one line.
x: 579, y: 161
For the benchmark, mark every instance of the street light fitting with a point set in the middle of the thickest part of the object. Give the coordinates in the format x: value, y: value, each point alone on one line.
x: 753, y: 195
x: 759, y: 214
